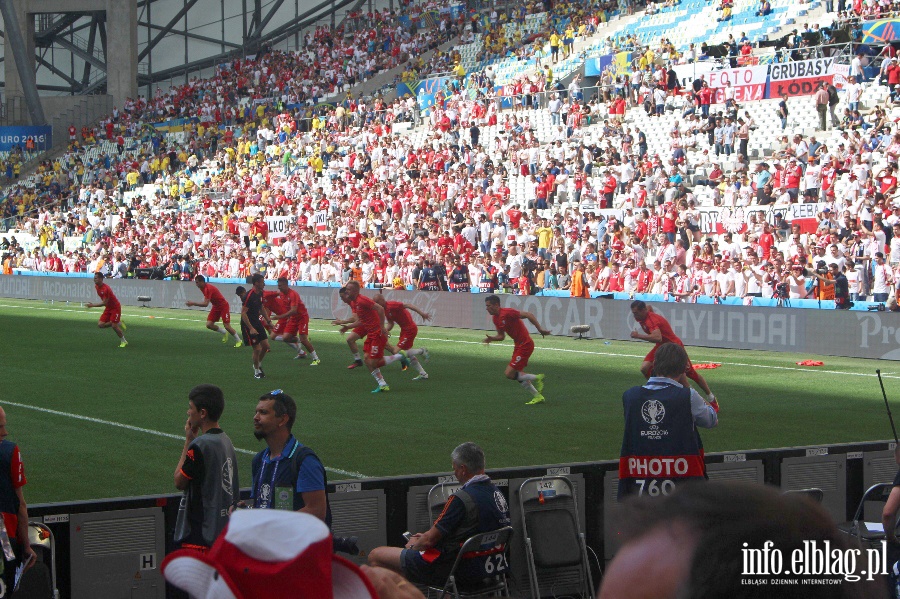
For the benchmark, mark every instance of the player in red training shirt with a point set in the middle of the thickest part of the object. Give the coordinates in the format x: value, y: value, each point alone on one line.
x: 508, y: 321
x: 272, y: 304
x: 371, y: 317
x: 398, y: 313
x: 112, y: 312
x: 295, y: 320
x: 220, y: 310
x: 658, y: 330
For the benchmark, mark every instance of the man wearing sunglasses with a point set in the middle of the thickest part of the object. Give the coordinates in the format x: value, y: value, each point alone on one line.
x: 287, y: 475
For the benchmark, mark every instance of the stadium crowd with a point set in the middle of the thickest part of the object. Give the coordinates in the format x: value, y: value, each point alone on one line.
x: 366, y: 201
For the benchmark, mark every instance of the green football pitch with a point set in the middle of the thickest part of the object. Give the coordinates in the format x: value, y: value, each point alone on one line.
x: 94, y: 420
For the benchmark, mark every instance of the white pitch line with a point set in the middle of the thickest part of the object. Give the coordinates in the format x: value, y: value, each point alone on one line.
x: 148, y: 431
x: 556, y: 349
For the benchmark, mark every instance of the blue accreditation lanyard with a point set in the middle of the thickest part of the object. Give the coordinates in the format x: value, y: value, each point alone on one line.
x: 273, y: 497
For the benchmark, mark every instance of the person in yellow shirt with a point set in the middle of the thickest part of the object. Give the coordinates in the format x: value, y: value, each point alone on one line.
x: 316, y: 164
x: 545, y: 236
x: 568, y: 41
x: 554, y: 46
x: 131, y: 179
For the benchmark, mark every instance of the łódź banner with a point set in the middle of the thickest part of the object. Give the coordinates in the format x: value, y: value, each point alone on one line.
x: 10, y: 137
x: 799, y: 78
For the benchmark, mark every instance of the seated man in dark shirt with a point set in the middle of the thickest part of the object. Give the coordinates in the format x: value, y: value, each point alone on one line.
x: 477, y: 507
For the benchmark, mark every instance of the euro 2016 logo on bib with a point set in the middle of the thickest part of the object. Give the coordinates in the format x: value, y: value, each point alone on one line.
x: 500, y: 501
x: 653, y: 412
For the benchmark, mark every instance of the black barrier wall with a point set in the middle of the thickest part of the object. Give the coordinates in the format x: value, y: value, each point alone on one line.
x: 827, y: 332
x: 382, y: 507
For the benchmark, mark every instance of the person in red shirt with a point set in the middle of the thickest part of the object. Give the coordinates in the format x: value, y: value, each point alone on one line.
x: 658, y: 330
x: 508, y: 321
x: 220, y: 309
x: 766, y: 241
x: 370, y: 316
x: 272, y: 304
x: 399, y: 313
x: 296, y: 322
x: 112, y: 312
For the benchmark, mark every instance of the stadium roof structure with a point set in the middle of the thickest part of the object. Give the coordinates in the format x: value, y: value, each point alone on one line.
x: 81, y: 47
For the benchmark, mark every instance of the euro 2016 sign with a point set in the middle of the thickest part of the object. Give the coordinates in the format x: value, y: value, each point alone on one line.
x: 10, y: 137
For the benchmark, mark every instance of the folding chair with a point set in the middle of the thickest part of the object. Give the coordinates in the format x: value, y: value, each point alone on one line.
x: 40, y: 580
x: 492, y: 545
x: 858, y: 527
x: 438, y: 496
x: 554, y: 545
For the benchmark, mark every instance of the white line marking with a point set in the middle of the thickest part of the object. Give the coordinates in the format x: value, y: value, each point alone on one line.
x: 556, y: 349
x: 150, y: 432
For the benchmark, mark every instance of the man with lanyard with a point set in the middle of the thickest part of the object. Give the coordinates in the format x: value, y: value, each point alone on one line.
x: 477, y: 507
x: 286, y: 475
x: 661, y: 446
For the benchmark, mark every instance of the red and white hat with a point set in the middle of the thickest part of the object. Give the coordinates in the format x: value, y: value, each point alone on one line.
x: 260, y: 547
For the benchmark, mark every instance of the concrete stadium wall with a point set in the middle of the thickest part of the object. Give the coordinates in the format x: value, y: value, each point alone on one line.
x: 828, y: 332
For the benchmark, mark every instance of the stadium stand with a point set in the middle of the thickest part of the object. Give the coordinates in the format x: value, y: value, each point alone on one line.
x: 250, y: 171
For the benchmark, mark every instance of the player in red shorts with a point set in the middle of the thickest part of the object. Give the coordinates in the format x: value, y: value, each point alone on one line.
x: 358, y: 332
x: 112, y: 312
x: 658, y: 330
x: 220, y: 309
x: 273, y: 304
x: 371, y: 317
x: 296, y: 322
x: 508, y: 321
x: 398, y: 313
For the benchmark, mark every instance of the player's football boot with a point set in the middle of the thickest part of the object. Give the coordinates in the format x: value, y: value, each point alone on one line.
x: 355, y: 364
x: 123, y: 344
x: 315, y: 362
x: 239, y: 344
x: 381, y: 389
x: 535, y: 400
x: 421, y: 377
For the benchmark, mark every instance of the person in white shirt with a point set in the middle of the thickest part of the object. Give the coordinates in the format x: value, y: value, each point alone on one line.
x: 796, y: 282
x: 894, y: 257
x: 753, y: 275
x: 724, y: 285
x: 514, y: 261
x: 882, y: 279
x: 834, y: 257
